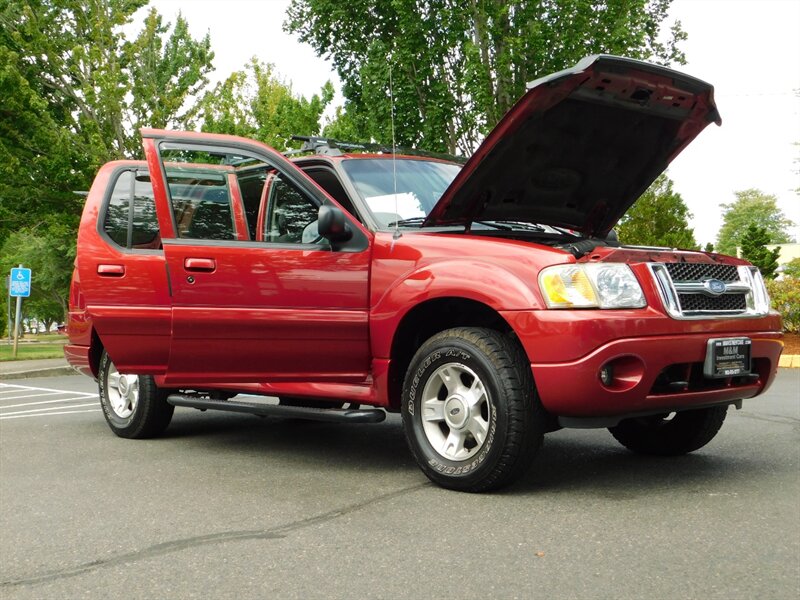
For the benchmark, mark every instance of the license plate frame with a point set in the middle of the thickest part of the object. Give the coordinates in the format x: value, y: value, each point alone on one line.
x: 728, y: 357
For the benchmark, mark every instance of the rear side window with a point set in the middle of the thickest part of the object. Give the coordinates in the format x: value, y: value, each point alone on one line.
x: 130, y: 218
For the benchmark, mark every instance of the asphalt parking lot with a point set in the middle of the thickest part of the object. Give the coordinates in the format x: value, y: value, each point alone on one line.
x: 228, y: 505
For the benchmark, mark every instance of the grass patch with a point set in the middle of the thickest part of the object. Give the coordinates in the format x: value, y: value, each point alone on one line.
x: 46, y: 337
x: 32, y: 351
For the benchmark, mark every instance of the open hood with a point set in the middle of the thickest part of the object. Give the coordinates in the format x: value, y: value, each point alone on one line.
x: 580, y: 147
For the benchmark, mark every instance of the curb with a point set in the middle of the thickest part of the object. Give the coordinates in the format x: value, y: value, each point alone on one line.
x: 790, y: 361
x: 48, y: 372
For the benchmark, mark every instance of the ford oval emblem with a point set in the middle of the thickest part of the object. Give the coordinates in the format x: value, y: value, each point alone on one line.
x: 715, y: 286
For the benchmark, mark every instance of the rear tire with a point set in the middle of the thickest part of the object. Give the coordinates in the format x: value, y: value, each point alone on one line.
x: 685, y: 432
x: 471, y: 415
x: 134, y: 407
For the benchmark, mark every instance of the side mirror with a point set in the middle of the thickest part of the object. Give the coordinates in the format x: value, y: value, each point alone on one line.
x: 332, y: 225
x: 612, y: 238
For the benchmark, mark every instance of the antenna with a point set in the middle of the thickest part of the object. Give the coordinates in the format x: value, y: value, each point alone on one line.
x: 397, y: 233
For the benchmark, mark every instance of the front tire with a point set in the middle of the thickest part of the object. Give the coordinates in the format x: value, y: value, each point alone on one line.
x: 132, y: 404
x: 661, y: 436
x: 471, y: 415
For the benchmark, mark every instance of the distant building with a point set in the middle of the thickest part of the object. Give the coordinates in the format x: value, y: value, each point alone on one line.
x: 788, y: 252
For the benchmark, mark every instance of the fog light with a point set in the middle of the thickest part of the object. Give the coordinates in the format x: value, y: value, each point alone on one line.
x: 607, y: 374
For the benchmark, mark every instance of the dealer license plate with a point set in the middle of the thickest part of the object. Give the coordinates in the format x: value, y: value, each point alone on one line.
x: 727, y: 357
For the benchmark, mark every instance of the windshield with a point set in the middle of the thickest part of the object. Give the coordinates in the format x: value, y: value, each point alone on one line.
x: 420, y: 184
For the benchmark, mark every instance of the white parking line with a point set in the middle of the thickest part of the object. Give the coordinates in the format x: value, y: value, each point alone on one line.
x: 46, y: 402
x: 37, y: 395
x: 66, y: 412
x: 63, y: 405
x: 47, y: 410
x: 17, y: 388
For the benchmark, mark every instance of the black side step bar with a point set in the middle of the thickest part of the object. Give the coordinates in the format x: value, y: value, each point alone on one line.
x: 373, y: 415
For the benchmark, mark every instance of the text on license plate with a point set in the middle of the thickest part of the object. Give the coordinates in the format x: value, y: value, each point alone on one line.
x: 727, y: 357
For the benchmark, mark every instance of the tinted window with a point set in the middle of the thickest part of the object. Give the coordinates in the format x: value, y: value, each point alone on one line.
x: 251, y: 184
x: 201, y: 204
x: 329, y: 182
x: 291, y: 216
x: 136, y: 228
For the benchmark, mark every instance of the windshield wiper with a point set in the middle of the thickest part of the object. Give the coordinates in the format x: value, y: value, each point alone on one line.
x: 495, y: 224
x: 411, y: 221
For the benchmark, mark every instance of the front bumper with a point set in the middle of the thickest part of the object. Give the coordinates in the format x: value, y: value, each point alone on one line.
x: 646, y: 373
x: 650, y: 365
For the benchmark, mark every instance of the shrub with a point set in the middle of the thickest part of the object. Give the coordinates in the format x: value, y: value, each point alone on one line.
x: 785, y: 296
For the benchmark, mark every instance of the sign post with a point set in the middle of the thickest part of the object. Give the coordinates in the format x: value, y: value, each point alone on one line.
x: 19, y: 286
x: 9, y: 318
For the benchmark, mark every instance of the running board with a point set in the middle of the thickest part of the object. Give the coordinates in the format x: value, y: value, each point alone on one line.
x: 275, y: 410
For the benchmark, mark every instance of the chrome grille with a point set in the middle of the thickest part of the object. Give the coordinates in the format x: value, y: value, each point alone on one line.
x: 688, y: 290
x: 701, y: 302
x: 701, y: 272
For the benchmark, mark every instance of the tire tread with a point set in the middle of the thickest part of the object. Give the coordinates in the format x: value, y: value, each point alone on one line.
x: 525, y: 414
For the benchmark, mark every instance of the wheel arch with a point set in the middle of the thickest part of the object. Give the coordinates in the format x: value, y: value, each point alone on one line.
x: 427, y: 319
x: 96, y: 348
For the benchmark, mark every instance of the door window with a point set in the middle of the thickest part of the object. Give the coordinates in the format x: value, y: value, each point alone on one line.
x: 291, y: 215
x: 201, y: 204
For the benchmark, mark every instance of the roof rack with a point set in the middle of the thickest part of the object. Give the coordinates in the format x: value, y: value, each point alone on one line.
x: 321, y: 145
x: 332, y: 147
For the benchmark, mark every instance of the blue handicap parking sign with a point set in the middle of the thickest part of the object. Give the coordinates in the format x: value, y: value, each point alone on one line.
x: 20, y: 282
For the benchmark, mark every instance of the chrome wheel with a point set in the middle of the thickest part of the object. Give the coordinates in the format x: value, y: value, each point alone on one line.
x: 123, y: 392
x: 455, y: 412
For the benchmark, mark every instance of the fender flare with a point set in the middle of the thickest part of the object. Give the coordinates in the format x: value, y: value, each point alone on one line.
x: 480, y: 281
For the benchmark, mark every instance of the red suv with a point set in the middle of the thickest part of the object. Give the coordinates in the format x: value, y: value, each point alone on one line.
x: 489, y: 303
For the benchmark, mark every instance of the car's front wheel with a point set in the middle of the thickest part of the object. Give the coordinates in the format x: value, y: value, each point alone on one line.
x: 134, y: 407
x: 670, y: 434
x: 471, y: 414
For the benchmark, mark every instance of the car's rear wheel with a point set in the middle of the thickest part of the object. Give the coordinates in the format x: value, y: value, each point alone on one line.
x: 471, y: 414
x: 134, y: 407
x: 670, y: 434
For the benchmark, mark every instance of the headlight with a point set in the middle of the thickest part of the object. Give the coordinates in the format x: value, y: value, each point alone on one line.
x: 593, y: 285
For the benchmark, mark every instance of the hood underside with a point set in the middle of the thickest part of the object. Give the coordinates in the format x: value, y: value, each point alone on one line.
x: 580, y: 147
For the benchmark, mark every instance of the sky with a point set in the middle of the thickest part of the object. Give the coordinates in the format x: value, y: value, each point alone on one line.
x: 748, y: 49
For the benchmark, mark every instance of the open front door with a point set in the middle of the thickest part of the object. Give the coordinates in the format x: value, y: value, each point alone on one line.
x: 251, y: 305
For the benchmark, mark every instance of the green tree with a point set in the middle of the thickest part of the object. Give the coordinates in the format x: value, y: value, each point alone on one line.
x: 166, y: 73
x: 751, y: 207
x: 342, y: 127
x: 709, y: 247
x: 47, y: 249
x: 792, y: 269
x: 39, y: 163
x: 257, y: 103
x: 45, y: 310
x: 74, y: 91
x: 754, y: 248
x: 457, y: 66
x: 659, y: 217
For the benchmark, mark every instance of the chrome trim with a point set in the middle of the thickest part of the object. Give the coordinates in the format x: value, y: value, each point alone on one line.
x: 750, y: 284
x: 700, y: 288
